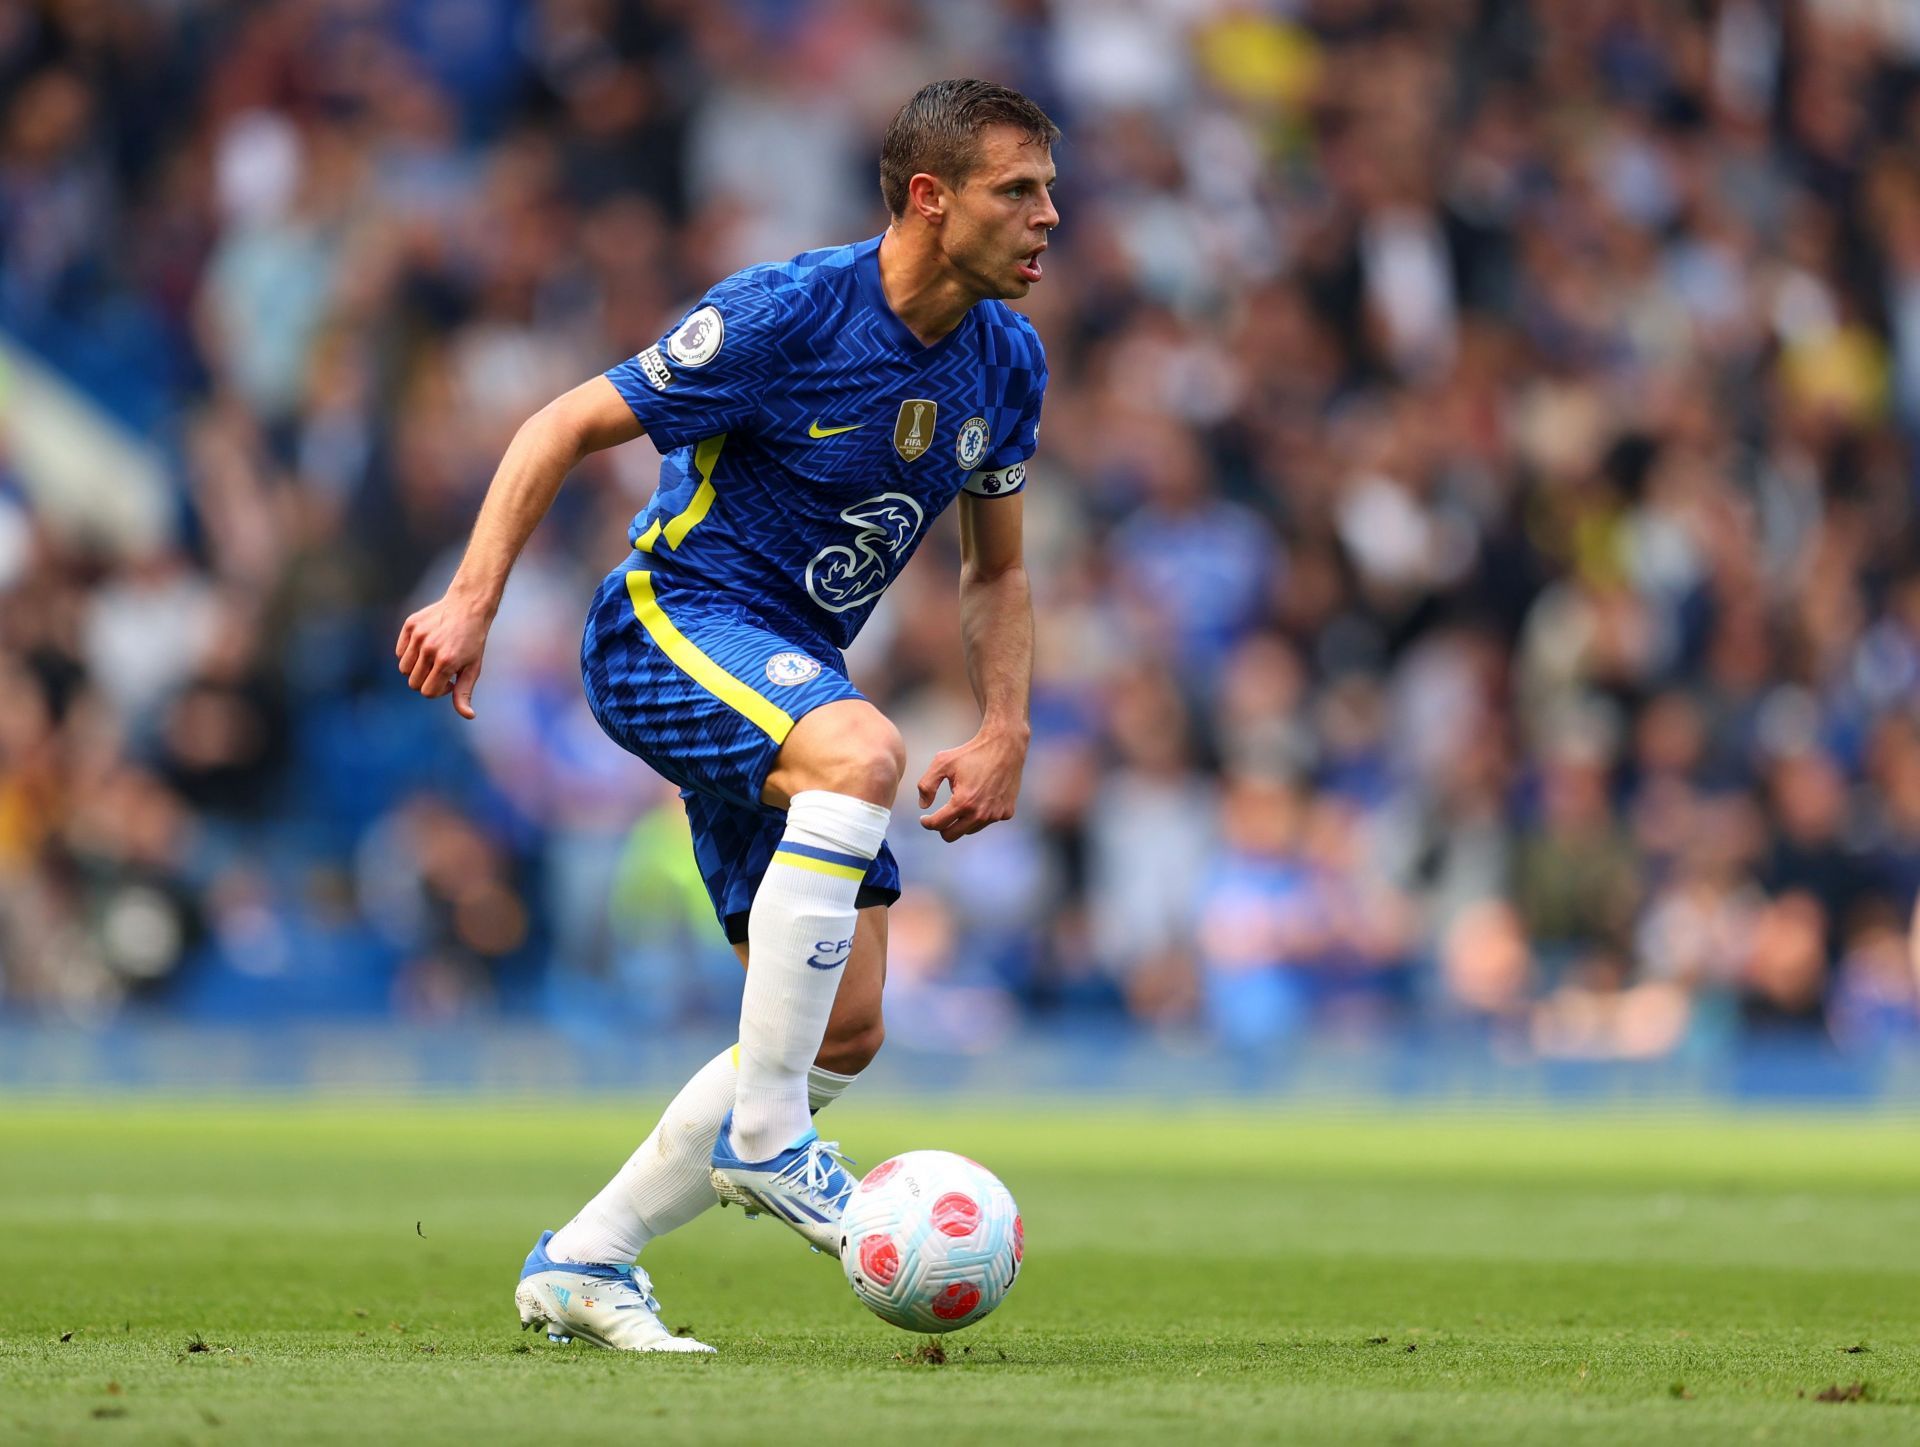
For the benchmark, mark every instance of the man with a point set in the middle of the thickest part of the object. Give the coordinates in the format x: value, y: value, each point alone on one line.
x: 815, y: 417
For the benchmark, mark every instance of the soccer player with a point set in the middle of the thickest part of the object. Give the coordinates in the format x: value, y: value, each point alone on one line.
x: 815, y: 416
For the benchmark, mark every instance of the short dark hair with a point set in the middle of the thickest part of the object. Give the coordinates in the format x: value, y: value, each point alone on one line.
x: 938, y: 132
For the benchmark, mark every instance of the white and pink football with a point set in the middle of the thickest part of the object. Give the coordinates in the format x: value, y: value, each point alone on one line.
x: 932, y: 1241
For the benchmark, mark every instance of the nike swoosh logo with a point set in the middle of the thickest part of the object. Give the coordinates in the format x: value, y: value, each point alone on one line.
x: 817, y: 431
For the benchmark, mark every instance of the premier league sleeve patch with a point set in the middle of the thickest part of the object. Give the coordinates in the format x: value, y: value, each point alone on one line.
x: 696, y: 341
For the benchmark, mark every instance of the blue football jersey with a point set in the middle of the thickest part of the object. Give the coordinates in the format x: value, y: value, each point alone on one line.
x: 809, y: 438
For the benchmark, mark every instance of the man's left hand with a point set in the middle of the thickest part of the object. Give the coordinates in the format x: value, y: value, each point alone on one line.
x: 984, y: 776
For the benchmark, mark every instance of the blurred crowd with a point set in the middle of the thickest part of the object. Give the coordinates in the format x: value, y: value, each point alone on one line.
x: 1473, y: 542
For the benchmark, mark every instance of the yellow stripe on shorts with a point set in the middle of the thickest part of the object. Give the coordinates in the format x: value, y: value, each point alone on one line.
x: 775, y: 723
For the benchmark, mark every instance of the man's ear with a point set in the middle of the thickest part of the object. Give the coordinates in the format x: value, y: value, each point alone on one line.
x: 927, y: 198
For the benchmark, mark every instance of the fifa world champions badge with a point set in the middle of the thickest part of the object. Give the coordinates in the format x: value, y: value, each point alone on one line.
x: 913, y: 428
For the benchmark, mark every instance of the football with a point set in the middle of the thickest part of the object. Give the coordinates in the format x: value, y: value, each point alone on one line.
x: 932, y: 1241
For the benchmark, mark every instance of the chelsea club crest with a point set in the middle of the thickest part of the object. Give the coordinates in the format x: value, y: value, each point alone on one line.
x: 972, y: 445
x: 788, y: 669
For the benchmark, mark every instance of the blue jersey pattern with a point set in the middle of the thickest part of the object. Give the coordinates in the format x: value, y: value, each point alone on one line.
x: 809, y: 438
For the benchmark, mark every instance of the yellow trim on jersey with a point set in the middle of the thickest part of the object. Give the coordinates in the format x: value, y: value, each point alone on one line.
x: 735, y: 1052
x: 775, y: 723
x: 705, y: 456
x: 676, y: 528
x: 819, y: 866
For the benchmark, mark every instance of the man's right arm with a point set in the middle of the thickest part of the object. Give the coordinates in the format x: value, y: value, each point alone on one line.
x: 440, y: 647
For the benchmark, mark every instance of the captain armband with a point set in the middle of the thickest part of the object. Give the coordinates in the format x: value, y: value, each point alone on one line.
x: 999, y: 482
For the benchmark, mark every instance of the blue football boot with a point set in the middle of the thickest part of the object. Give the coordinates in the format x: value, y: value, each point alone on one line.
x: 806, y: 1186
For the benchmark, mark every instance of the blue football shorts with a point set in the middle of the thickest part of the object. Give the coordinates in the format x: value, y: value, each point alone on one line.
x: 706, y: 692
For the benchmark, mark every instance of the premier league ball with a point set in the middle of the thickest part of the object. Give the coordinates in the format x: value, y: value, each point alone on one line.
x: 932, y: 1241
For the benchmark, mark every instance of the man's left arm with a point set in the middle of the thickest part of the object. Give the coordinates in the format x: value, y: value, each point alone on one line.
x: 996, y: 630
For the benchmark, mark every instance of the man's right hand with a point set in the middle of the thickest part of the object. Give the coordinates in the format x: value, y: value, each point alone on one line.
x: 440, y: 649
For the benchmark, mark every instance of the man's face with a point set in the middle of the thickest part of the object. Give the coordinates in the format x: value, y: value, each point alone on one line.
x: 998, y: 222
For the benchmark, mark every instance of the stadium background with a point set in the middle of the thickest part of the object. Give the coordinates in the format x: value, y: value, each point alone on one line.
x: 1473, y: 537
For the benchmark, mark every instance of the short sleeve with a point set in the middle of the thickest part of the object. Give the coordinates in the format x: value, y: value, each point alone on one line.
x: 707, y: 375
x: 1004, y: 472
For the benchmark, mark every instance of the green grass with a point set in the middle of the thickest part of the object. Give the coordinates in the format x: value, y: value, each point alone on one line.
x: 1206, y: 1276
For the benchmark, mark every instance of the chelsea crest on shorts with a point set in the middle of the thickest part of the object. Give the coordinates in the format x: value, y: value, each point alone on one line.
x: 789, y: 670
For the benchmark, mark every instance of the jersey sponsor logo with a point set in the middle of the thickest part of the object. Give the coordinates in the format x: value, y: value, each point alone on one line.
x: 816, y: 431
x: 1005, y: 479
x: 697, y: 339
x: 913, y: 428
x: 846, y: 575
x: 789, y: 669
x: 654, y: 366
x: 972, y: 445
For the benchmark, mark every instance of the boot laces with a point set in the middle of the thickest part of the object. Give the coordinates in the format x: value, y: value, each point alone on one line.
x: 639, y: 1283
x: 820, y: 1173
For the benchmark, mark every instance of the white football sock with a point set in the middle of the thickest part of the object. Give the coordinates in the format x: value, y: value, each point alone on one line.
x: 825, y: 1086
x: 664, y: 1184
x: 799, y: 936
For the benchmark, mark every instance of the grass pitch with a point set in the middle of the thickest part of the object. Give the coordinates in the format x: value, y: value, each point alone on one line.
x: 200, y: 1273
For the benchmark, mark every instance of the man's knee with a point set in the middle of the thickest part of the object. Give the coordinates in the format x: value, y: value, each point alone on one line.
x: 870, y: 761
x: 849, y: 750
x: 850, y: 1048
